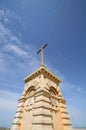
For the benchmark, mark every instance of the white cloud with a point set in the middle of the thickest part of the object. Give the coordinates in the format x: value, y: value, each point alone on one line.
x: 2, y: 18
x: 4, y: 33
x: 7, y: 36
x: 17, y: 50
x: 11, y: 46
x: 7, y: 16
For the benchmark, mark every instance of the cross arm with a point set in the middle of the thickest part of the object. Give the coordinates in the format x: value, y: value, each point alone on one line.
x: 42, y: 48
x: 45, y: 45
x: 38, y: 51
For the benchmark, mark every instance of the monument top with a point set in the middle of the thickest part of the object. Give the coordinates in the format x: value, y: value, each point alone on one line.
x: 41, y: 51
x: 42, y: 70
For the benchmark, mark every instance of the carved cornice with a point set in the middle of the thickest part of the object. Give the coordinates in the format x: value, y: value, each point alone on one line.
x: 42, y: 70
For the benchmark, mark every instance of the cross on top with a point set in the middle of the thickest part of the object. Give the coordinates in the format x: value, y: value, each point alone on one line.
x: 41, y: 51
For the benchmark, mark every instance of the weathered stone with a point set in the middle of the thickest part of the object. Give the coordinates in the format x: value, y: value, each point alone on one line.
x: 41, y: 106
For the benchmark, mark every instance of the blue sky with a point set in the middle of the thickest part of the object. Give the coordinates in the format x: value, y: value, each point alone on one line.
x: 25, y: 25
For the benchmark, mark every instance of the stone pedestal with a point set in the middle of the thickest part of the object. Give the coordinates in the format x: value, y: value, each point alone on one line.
x: 41, y: 106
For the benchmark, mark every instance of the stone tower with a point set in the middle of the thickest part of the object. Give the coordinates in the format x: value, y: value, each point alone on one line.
x: 41, y: 105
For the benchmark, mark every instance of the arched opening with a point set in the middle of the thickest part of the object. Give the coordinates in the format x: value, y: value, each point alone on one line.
x: 30, y: 91
x: 53, y: 97
x: 53, y: 91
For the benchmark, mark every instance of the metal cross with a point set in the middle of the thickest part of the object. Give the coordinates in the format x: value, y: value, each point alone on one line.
x: 41, y: 50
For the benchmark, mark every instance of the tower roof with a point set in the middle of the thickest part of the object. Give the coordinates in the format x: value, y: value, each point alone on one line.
x: 42, y: 70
